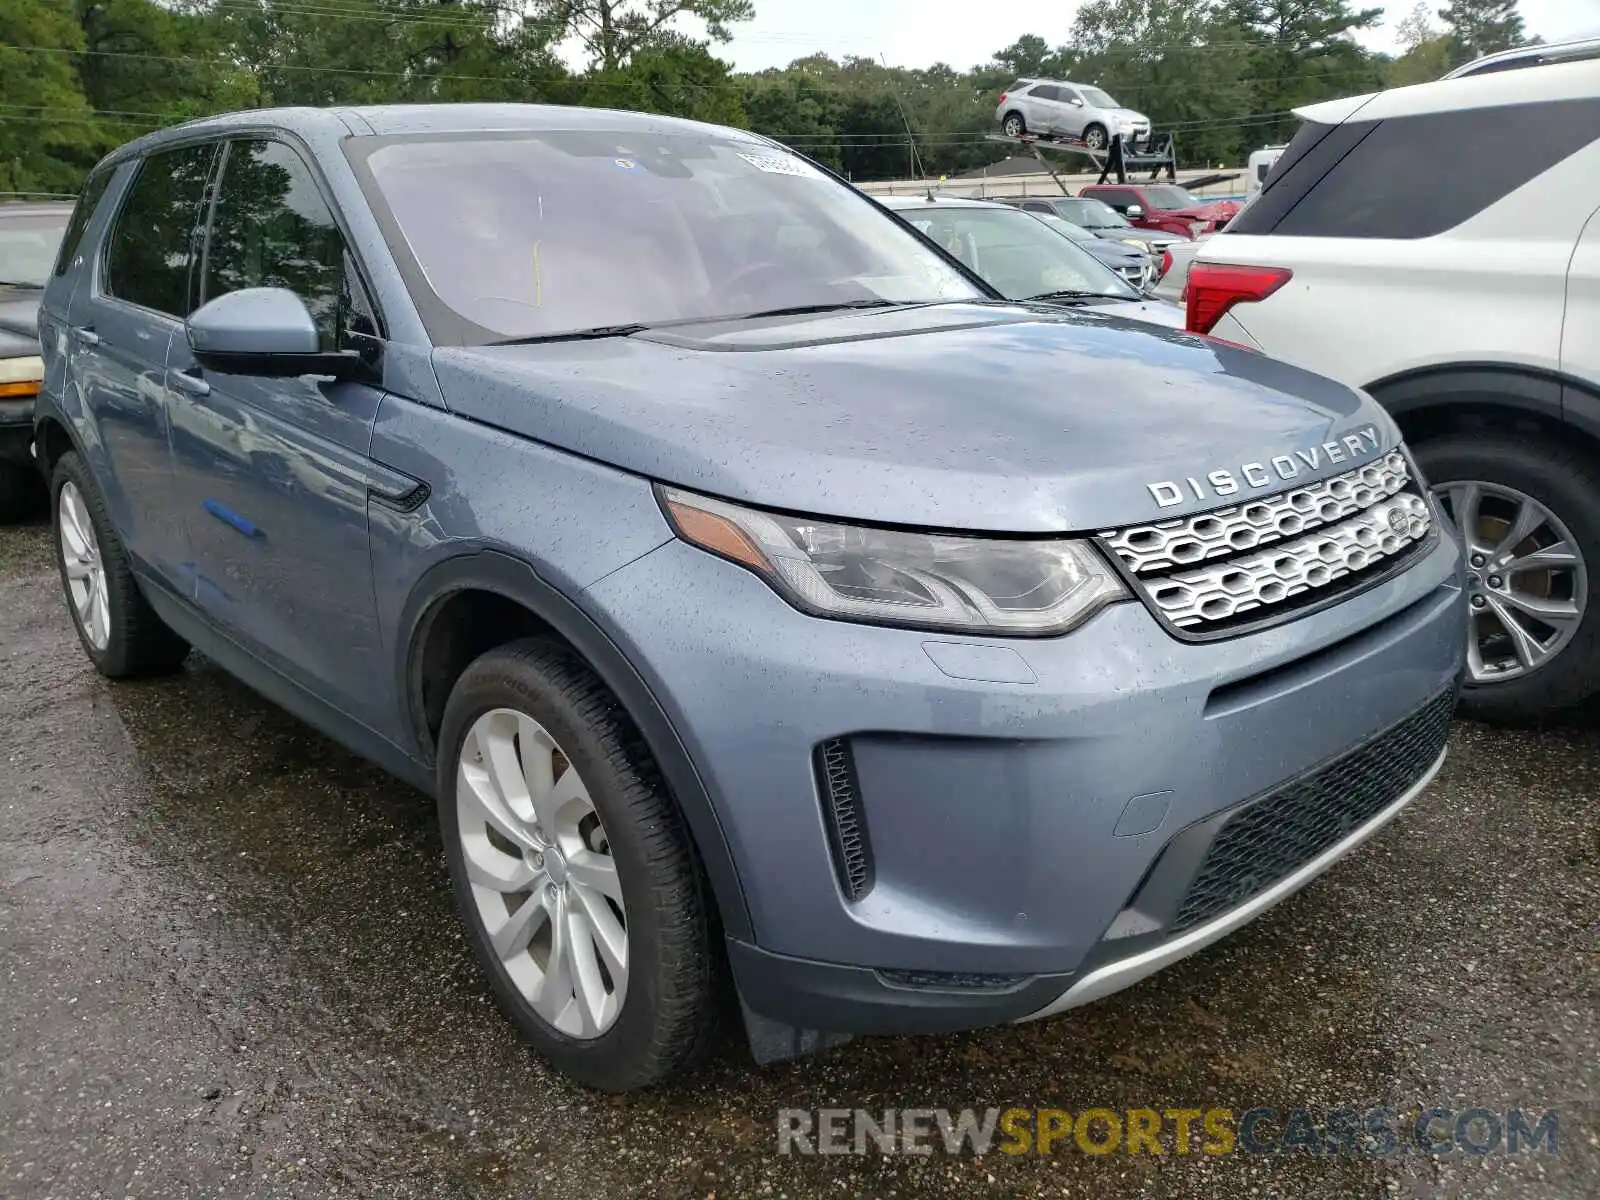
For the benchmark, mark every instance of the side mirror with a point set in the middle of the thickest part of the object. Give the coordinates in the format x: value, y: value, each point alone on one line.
x: 265, y: 332
x: 1075, y: 102
x: 1133, y: 210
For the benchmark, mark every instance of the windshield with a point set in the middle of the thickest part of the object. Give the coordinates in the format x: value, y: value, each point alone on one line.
x: 523, y: 235
x: 1097, y: 98
x: 28, y: 246
x: 1020, y: 256
x: 1092, y: 214
x: 1168, y: 197
x: 1066, y: 228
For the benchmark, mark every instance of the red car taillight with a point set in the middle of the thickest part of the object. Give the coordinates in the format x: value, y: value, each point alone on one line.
x: 1003, y: 96
x: 1166, y: 262
x: 1214, y: 288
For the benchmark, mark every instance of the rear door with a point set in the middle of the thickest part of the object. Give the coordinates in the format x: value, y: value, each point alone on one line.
x: 120, y: 324
x: 1044, y: 111
x: 273, y: 473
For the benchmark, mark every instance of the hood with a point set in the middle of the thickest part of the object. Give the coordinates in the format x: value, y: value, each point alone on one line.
x: 1128, y: 114
x: 19, y: 322
x: 980, y: 416
x: 1216, y: 210
x: 1151, y: 312
x: 1108, y: 251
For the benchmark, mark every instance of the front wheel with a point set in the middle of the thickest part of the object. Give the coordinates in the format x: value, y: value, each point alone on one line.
x: 1529, y: 514
x: 1095, y: 137
x: 572, y: 869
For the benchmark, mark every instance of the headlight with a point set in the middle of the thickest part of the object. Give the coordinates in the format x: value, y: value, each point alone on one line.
x: 20, y: 377
x: 1136, y: 244
x: 1016, y: 586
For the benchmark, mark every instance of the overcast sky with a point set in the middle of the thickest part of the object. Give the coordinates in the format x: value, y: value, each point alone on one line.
x: 918, y: 33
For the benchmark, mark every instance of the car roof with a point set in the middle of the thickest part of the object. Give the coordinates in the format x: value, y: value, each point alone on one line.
x: 1536, y: 54
x: 391, y: 119
x: 1558, y: 81
x: 35, y: 208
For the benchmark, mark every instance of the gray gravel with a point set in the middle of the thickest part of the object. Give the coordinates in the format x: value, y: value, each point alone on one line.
x: 230, y: 967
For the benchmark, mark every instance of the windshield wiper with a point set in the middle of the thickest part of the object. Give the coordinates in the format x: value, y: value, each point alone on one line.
x: 1079, y: 295
x: 800, y: 310
x: 575, y: 335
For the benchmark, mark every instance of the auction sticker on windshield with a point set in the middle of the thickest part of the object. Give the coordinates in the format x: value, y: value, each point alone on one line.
x: 780, y: 164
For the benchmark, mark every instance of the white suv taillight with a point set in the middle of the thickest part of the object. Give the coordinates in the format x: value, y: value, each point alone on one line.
x: 1214, y: 288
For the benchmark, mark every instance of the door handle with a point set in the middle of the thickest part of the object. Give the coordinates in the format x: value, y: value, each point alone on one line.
x: 192, y: 384
x: 86, y: 336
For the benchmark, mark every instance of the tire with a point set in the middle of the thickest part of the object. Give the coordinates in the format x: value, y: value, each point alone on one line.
x: 665, y: 1014
x: 1095, y: 136
x: 20, y: 492
x: 135, y: 641
x: 1566, y: 483
x: 1014, y: 125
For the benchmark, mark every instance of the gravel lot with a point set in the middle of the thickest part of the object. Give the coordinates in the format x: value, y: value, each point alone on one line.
x: 230, y: 968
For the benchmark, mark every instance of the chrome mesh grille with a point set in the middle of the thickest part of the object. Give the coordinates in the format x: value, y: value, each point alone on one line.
x: 1251, y: 562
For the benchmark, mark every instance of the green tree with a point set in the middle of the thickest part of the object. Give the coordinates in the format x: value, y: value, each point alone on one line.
x: 613, y: 31
x: 48, y: 131
x: 1427, y: 50
x: 1481, y: 27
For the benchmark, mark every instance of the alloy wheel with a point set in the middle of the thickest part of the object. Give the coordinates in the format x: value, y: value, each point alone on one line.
x: 1527, y: 582
x: 84, y: 566
x: 543, y: 881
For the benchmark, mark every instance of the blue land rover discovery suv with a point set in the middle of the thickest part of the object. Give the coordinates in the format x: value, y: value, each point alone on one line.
x: 760, y: 595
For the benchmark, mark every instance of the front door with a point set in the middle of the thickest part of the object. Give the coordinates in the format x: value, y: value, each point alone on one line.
x: 120, y: 322
x: 273, y: 472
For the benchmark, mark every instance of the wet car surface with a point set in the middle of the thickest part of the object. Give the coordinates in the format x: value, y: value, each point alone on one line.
x: 231, y: 967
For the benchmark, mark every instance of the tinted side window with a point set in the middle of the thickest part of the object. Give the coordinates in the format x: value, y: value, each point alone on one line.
x: 1413, y: 177
x: 1117, y: 198
x: 88, y: 200
x: 1045, y: 92
x: 149, y: 251
x: 271, y: 228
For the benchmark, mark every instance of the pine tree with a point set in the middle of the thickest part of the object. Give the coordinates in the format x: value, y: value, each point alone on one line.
x: 1480, y: 27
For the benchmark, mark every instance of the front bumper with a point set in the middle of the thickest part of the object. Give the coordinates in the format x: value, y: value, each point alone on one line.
x: 16, y: 430
x: 1011, y: 796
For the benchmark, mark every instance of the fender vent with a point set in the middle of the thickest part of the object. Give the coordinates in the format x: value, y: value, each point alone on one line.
x: 841, y: 810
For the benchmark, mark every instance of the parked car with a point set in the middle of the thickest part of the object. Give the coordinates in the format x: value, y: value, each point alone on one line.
x: 758, y: 592
x: 1059, y: 108
x: 1172, y: 283
x: 1025, y: 259
x: 1135, y: 264
x: 30, y: 235
x: 1438, y: 246
x: 1099, y: 218
x: 1164, y: 207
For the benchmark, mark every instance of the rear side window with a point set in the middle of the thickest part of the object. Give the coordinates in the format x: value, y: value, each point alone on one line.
x: 150, y: 248
x: 88, y: 200
x: 1413, y: 177
x: 1045, y: 91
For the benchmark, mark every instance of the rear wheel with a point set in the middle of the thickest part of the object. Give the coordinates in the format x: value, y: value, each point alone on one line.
x: 120, y: 632
x: 573, y: 870
x: 1014, y: 125
x: 1529, y: 513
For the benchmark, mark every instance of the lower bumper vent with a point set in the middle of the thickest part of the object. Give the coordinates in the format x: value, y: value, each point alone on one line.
x: 1277, y: 834
x: 841, y: 805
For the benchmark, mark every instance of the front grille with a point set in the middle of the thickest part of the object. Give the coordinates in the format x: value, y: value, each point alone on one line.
x: 841, y: 804
x: 1241, y: 566
x: 1273, y: 836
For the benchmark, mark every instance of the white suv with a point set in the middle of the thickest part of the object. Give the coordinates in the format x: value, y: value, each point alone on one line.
x: 1439, y: 246
x: 1057, y: 108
